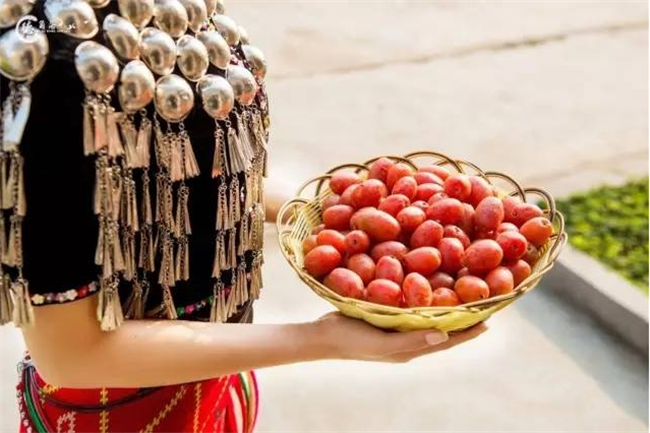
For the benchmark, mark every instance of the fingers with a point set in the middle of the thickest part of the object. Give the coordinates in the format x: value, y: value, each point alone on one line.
x: 455, y: 339
x: 401, y: 342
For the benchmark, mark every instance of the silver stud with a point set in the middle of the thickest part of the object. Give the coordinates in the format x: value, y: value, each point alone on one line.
x: 216, y: 95
x: 73, y: 17
x: 158, y: 50
x: 228, y: 28
x: 13, y: 10
x: 197, y: 13
x: 97, y: 66
x: 22, y: 56
x: 136, y: 86
x: 243, y: 84
x: 256, y: 60
x: 122, y: 36
x: 173, y: 98
x: 139, y: 12
x: 171, y: 17
x: 193, y: 58
x: 218, y: 49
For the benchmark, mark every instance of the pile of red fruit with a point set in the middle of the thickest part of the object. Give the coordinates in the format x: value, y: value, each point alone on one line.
x: 427, y: 238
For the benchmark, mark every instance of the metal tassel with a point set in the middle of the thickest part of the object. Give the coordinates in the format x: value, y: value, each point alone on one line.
x: 234, y: 152
x: 218, y: 160
x: 115, y: 147
x: 134, y: 305
x: 176, y: 163
x: 21, y: 205
x: 223, y: 214
x: 191, y: 167
x: 143, y: 142
x: 23, y: 312
x: 88, y: 127
x: 129, y: 135
x: 109, y: 309
x: 218, y: 313
x: 8, y: 184
x: 170, y: 310
x: 99, y: 121
x: 6, y: 301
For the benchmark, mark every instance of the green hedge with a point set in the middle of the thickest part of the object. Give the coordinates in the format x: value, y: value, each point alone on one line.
x: 611, y: 224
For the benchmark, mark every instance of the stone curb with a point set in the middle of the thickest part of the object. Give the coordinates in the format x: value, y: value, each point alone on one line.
x: 608, y: 297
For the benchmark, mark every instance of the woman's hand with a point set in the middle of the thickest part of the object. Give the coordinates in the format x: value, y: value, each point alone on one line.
x: 347, y: 338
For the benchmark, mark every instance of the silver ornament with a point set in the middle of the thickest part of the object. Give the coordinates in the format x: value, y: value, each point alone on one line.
x: 171, y: 17
x: 256, y: 60
x: 22, y: 57
x: 97, y: 66
x: 243, y: 35
x: 122, y: 36
x: 243, y: 84
x: 218, y: 49
x: 216, y: 95
x: 158, y: 50
x: 196, y: 13
x: 97, y: 4
x: 73, y: 17
x: 136, y: 86
x: 139, y: 12
x: 173, y: 98
x: 228, y: 28
x: 193, y: 58
x: 13, y: 10
x: 221, y: 8
x: 210, y: 7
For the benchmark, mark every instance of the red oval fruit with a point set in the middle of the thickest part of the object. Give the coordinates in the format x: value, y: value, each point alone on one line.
x: 441, y: 279
x: 471, y: 289
x: 451, y: 253
x: 333, y: 238
x: 357, y: 241
x: 406, y: 186
x: 513, y: 244
x: 410, y: 218
x: 309, y: 243
x: 532, y: 254
x: 424, y: 260
x: 427, y: 190
x: 441, y: 172
x: 462, y: 273
x: 421, y: 204
x: 452, y: 231
x: 480, y: 189
x: 379, y: 169
x: 384, y: 292
x: 509, y: 205
x: 483, y: 256
x: 390, y: 248
x: 444, y: 297
x: 345, y: 283
x: 396, y: 172
x: 428, y: 234
x: 500, y: 281
x: 417, y: 291
x: 346, y: 197
x: 363, y: 266
x: 319, y: 228
x: 524, y: 212
x: 357, y: 219
x: 330, y: 201
x: 489, y: 214
x: 466, y: 222
x: 507, y: 227
x: 445, y: 211
x: 458, y: 186
x: 369, y: 193
x: 537, y: 230
x: 425, y: 177
x: 342, y: 180
x: 322, y: 260
x: 394, y: 203
x: 380, y: 226
x: 389, y: 268
x: 437, y: 197
x: 520, y: 271
x: 338, y: 217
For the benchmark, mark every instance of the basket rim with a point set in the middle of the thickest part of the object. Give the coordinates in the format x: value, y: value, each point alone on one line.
x: 291, y: 209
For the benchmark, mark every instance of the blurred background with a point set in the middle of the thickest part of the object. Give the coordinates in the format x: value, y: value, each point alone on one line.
x: 554, y: 93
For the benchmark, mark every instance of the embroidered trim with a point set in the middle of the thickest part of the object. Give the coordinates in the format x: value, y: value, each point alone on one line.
x: 63, y: 297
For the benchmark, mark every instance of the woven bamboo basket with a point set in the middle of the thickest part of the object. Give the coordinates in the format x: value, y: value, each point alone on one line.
x: 299, y: 216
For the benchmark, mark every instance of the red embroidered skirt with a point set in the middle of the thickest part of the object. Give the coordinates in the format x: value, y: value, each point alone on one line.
x: 227, y: 404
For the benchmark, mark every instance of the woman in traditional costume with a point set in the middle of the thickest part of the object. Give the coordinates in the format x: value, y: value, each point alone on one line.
x: 134, y: 148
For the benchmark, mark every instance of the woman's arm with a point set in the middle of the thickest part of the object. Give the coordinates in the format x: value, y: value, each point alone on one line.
x: 70, y: 350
